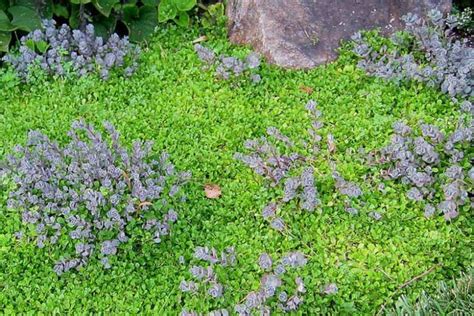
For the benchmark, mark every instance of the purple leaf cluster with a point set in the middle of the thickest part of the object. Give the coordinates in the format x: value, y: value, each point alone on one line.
x: 64, y: 51
x: 416, y: 159
x: 270, y: 284
x: 206, y: 274
x: 330, y: 289
x: 89, y: 191
x: 229, y: 66
x: 347, y: 188
x: 226, y: 258
x: 217, y: 312
x: 266, y: 160
x: 435, y: 55
x: 293, y: 171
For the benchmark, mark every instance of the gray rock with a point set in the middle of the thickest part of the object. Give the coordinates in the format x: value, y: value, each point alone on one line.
x: 306, y: 33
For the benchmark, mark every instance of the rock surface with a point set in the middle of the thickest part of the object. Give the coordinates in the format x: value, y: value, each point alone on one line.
x: 306, y: 33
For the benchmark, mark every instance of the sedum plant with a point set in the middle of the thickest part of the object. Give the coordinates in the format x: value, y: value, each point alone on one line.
x: 227, y: 67
x: 429, y: 161
x: 293, y: 171
x: 272, y: 282
x: 206, y: 277
x: 91, y: 194
x: 427, y: 51
x: 62, y: 51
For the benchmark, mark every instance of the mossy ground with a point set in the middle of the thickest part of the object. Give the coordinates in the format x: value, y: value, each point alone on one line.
x: 202, y: 122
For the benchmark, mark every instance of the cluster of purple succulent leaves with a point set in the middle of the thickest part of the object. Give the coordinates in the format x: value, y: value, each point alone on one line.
x: 227, y: 67
x: 279, y: 166
x: 447, y: 64
x: 89, y: 189
x: 72, y: 52
x: 93, y: 186
x: 254, y: 301
x: 415, y: 159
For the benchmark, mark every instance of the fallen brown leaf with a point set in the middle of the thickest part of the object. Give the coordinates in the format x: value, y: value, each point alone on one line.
x: 306, y: 89
x: 146, y: 203
x: 212, y: 191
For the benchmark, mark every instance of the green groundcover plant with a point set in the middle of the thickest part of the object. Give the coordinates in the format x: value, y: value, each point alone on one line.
x: 338, y: 261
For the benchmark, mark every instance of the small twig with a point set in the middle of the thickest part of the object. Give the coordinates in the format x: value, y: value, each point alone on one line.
x: 407, y: 283
x: 385, y: 273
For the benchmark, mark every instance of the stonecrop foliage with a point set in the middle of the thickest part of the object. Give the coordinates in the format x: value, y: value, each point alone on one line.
x: 293, y: 170
x: 270, y: 287
x: 271, y: 284
x: 205, y: 277
x: 91, y: 195
x: 430, y: 162
x: 427, y: 51
x: 227, y: 67
x: 62, y: 51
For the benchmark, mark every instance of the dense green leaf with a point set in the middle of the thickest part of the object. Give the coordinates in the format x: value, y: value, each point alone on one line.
x: 43, y: 8
x: 42, y: 46
x: 104, y: 27
x: 5, y: 38
x: 4, y: 4
x: 185, y: 5
x: 5, y: 24
x: 32, y: 4
x: 130, y: 12
x: 183, y: 19
x: 142, y: 26
x: 24, y: 18
x: 151, y: 3
x: 166, y: 11
x: 74, y: 19
x: 80, y: 1
x: 60, y: 10
x: 30, y: 44
x: 105, y: 6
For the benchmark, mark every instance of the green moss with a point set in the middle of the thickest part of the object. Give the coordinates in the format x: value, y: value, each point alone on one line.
x: 202, y: 122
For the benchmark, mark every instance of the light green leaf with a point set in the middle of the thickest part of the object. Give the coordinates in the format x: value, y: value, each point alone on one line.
x: 183, y: 19
x: 185, y: 5
x: 30, y: 44
x: 42, y: 46
x: 166, y: 11
x: 80, y: 1
x: 216, y: 10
